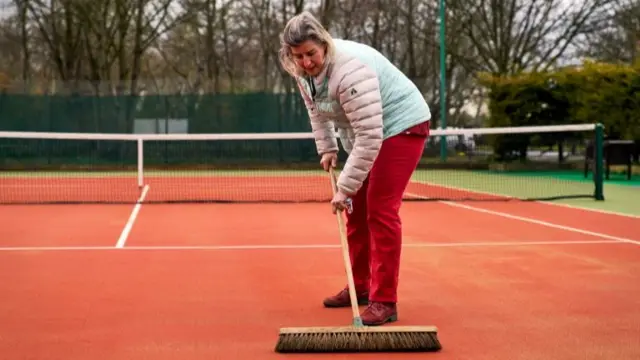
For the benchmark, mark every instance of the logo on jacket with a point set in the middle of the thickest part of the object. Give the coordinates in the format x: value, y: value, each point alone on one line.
x: 325, y: 106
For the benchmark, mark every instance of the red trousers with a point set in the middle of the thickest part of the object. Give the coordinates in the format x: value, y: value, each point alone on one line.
x: 374, y: 228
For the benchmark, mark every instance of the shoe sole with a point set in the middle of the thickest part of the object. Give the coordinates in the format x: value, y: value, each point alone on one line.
x: 391, y: 318
x: 341, y: 305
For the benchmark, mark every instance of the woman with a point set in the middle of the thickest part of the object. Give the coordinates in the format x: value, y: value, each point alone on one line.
x: 383, y: 123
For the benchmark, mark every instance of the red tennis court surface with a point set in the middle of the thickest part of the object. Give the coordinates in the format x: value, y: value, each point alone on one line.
x: 500, y: 280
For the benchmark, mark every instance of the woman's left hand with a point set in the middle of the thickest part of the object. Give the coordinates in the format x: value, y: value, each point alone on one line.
x: 340, y: 201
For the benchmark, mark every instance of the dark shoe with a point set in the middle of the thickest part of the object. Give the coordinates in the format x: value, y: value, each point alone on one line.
x: 379, y: 313
x: 342, y: 299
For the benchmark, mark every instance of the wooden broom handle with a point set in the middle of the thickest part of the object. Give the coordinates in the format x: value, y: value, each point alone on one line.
x: 345, y: 255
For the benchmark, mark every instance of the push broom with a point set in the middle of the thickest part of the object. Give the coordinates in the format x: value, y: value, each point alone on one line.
x: 357, y: 337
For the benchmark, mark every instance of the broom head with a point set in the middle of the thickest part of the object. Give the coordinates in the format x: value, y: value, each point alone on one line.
x: 358, y: 339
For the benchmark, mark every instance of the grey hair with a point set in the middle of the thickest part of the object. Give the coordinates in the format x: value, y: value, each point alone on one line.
x: 299, y: 29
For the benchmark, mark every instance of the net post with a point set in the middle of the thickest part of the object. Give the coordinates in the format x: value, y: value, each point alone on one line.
x: 598, y: 158
x: 140, y: 162
x: 443, y: 80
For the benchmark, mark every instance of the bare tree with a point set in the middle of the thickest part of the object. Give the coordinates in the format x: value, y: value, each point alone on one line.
x: 196, y: 47
x: 102, y: 42
x: 509, y: 36
x: 617, y: 38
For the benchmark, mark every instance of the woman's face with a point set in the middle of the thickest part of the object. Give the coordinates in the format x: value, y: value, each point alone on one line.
x: 309, y: 56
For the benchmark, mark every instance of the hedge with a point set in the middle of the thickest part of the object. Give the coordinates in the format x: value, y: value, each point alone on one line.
x: 592, y: 93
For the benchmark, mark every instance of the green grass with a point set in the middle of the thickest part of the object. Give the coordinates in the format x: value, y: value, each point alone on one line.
x: 620, y: 195
x: 618, y: 198
x: 578, y: 176
x: 500, y: 183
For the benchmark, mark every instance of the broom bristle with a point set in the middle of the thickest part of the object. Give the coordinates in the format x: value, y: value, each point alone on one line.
x: 358, y: 339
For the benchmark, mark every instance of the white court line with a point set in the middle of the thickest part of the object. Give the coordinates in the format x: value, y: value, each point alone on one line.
x: 132, y: 219
x: 301, y: 247
x: 608, y: 212
x: 576, y: 207
x: 534, y: 221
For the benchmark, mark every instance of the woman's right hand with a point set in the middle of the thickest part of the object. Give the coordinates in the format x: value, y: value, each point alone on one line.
x: 329, y: 159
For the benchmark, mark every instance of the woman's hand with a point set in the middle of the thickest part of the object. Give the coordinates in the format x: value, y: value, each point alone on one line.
x: 340, y: 202
x: 329, y: 159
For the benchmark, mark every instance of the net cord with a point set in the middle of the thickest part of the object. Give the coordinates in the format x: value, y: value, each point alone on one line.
x: 280, y: 136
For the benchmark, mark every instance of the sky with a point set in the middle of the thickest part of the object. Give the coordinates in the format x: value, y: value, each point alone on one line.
x: 4, y: 8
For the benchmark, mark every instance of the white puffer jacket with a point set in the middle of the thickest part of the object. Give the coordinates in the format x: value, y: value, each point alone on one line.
x: 367, y: 99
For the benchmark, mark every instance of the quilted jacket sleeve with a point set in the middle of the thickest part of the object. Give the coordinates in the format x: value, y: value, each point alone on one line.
x: 323, y: 130
x: 359, y: 95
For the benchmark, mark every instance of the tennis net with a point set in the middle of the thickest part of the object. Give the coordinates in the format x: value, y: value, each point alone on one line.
x: 482, y: 164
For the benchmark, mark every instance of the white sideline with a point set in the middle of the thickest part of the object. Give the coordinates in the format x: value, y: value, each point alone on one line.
x: 132, y: 219
x: 300, y: 247
x: 534, y: 221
